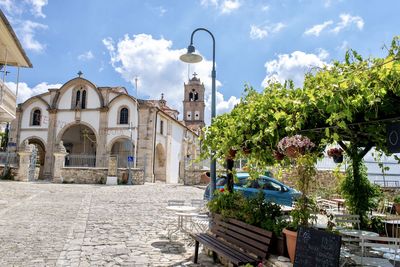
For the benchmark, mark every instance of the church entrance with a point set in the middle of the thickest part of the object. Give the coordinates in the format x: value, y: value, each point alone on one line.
x: 41, y: 152
x: 122, y: 149
x: 160, y: 168
x: 80, y: 142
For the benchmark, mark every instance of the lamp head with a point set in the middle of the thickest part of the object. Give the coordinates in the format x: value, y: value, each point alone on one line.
x: 190, y: 56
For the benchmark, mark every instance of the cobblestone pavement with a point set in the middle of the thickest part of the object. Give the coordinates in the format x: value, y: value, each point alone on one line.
x: 43, y: 224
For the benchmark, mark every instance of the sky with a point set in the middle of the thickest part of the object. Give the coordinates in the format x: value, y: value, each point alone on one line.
x: 115, y: 43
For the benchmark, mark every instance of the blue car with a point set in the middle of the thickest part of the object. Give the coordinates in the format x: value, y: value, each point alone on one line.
x: 274, y: 190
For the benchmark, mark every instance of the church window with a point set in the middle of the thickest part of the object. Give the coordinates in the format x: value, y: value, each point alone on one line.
x: 196, y: 115
x: 196, y: 96
x: 161, y: 127
x: 189, y: 115
x: 78, y: 98
x: 36, y: 115
x: 190, y: 96
x: 123, y: 116
x: 83, y: 99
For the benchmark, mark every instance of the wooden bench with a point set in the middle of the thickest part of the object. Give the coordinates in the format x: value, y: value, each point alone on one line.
x: 237, y: 241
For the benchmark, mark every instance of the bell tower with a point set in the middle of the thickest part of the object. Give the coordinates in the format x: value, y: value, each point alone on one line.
x: 193, y: 104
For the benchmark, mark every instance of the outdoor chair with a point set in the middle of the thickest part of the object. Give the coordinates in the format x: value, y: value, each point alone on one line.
x: 383, y: 247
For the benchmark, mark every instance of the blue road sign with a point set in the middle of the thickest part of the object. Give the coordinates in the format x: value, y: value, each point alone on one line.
x: 130, y: 159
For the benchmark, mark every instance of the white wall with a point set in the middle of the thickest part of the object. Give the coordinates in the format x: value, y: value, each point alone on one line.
x: 63, y: 118
x: 26, y: 115
x: 113, y: 114
x: 175, y: 152
x: 31, y: 134
x: 92, y: 98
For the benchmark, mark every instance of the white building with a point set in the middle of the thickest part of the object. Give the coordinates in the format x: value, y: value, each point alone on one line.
x: 96, y: 122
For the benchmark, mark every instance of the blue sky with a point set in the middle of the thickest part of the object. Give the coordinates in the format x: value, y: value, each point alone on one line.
x: 114, y: 42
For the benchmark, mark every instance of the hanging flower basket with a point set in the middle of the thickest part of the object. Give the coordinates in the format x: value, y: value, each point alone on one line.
x: 294, y: 146
x: 231, y: 154
x: 336, y: 153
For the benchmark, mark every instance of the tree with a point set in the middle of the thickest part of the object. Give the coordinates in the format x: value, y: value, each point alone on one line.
x: 348, y: 102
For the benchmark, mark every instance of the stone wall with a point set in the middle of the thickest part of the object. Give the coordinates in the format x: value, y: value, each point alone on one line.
x: 84, y: 175
x: 195, y: 177
x: 137, y: 175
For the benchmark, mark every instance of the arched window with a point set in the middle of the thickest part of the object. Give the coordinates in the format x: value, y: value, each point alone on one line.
x: 83, y: 99
x: 78, y: 99
x: 36, y: 114
x: 190, y: 96
x: 123, y: 116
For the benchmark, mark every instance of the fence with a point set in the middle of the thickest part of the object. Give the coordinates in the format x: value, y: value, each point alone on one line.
x: 72, y: 160
x: 10, y: 158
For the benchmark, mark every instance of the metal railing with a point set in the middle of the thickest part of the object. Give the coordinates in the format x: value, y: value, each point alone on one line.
x: 73, y: 160
x: 11, y: 158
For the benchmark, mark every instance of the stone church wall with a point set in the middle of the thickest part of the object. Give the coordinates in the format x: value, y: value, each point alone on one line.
x: 84, y: 175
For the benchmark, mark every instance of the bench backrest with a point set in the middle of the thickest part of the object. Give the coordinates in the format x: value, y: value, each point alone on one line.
x: 248, y: 237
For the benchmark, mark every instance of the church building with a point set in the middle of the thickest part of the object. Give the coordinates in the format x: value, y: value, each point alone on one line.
x: 94, y: 123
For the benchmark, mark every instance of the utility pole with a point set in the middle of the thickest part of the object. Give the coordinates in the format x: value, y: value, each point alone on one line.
x: 130, y: 157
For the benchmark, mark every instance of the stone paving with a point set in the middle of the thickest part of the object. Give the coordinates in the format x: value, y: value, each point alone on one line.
x: 43, y: 224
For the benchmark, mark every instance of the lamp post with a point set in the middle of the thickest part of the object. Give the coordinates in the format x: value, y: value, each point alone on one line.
x: 191, y: 57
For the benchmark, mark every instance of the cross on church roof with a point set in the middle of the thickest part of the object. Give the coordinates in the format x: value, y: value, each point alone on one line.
x: 195, y: 74
x: 80, y: 73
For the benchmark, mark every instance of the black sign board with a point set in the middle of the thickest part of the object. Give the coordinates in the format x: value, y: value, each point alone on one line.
x: 315, y: 248
x: 393, y: 137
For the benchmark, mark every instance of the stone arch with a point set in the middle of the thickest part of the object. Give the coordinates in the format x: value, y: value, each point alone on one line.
x: 160, y: 164
x: 121, y: 146
x: 32, y: 99
x: 120, y: 96
x: 75, y: 82
x: 61, y: 133
x: 41, y: 146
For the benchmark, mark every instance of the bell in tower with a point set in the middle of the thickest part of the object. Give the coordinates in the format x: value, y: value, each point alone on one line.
x: 193, y: 103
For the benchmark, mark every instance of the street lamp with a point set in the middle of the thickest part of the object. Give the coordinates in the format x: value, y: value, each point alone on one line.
x: 191, y: 57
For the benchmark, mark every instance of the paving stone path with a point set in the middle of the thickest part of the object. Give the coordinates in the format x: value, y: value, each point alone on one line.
x: 43, y: 224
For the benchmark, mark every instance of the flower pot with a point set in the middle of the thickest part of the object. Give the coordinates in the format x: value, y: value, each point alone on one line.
x: 291, y: 238
x: 397, y: 207
x: 278, y: 155
x: 231, y: 154
x: 292, y: 152
x: 337, y: 158
x: 278, y: 246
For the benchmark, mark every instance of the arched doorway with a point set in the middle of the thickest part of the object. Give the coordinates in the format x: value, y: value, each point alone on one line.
x: 41, y: 154
x: 160, y: 168
x: 122, y: 149
x: 81, y: 144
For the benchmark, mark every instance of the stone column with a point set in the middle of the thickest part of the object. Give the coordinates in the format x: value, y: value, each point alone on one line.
x: 112, y: 178
x: 101, y: 150
x: 59, y: 162
x: 24, y: 161
x: 51, y: 143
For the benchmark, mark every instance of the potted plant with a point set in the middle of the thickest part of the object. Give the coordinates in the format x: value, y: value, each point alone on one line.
x: 336, y: 153
x: 304, y: 172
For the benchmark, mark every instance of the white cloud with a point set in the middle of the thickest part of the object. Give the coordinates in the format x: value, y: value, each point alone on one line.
x: 10, y: 6
x: 293, y: 66
x: 257, y: 32
x: 317, y: 29
x: 158, y: 68
x: 162, y: 11
x: 228, y: 6
x: 265, y: 8
x: 225, y: 106
x: 27, y: 30
x: 224, y: 6
x: 86, y: 56
x: 346, y: 20
x: 25, y: 92
x: 344, y: 46
x: 37, y: 6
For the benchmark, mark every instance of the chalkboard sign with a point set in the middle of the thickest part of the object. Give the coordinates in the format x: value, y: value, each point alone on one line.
x: 316, y: 248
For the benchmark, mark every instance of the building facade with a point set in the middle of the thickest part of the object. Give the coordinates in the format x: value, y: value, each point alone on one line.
x: 94, y: 123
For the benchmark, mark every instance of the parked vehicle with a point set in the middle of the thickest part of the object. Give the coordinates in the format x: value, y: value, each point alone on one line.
x: 274, y: 190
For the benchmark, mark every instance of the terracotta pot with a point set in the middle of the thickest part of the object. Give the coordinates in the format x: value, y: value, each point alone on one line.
x: 291, y: 238
x: 278, y: 155
x: 397, y: 207
x: 292, y: 152
x: 278, y: 246
x: 337, y: 158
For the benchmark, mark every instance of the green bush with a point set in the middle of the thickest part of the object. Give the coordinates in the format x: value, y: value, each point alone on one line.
x: 255, y: 211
